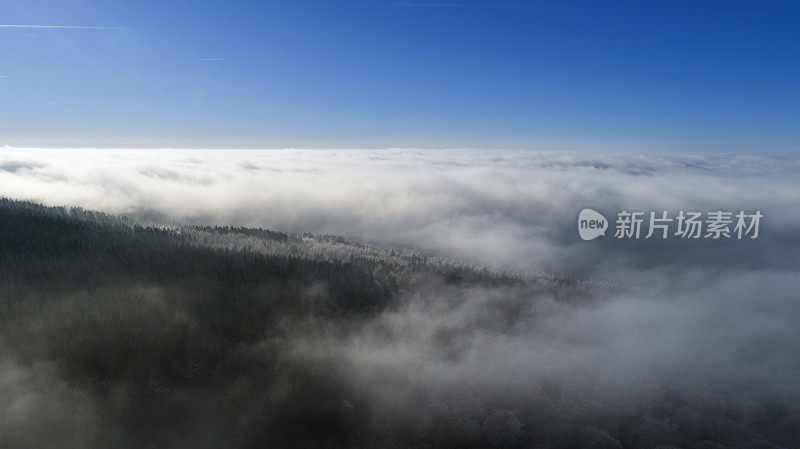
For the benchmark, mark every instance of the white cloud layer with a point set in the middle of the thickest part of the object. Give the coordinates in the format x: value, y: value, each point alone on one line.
x: 509, y: 209
x: 702, y: 318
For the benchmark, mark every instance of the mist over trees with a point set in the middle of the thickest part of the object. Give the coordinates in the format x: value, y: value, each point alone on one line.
x: 115, y: 334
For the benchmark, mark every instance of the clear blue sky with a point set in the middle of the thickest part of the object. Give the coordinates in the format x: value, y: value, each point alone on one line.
x: 628, y: 74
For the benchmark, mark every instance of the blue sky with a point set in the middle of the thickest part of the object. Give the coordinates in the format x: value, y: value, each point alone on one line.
x: 573, y: 75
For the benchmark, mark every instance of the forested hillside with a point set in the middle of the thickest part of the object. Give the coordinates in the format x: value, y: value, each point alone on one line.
x: 114, y: 334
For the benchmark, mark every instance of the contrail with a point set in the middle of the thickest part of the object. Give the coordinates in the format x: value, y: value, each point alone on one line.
x: 67, y: 27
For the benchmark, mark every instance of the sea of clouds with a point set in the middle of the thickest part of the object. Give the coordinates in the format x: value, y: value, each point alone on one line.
x: 513, y: 210
x: 695, y: 315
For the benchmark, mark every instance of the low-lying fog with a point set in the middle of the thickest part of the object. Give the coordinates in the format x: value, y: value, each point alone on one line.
x: 699, y: 316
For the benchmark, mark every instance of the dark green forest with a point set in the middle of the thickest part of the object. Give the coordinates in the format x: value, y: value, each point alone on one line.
x: 116, y: 334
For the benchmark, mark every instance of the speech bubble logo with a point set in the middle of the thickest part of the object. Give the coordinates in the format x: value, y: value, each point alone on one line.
x: 591, y: 224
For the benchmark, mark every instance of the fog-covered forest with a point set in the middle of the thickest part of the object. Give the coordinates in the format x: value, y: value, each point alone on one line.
x: 117, y: 334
